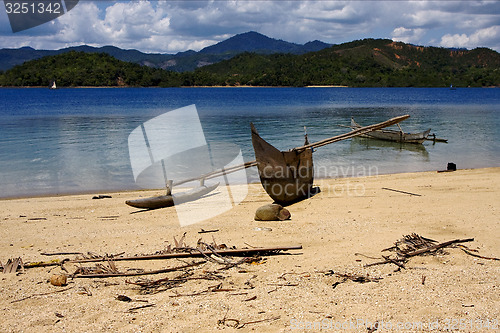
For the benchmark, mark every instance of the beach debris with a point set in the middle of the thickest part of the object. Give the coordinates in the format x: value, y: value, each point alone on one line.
x: 42, y: 294
x: 262, y: 229
x: 125, y: 298
x: 59, y: 253
x: 390, y: 189
x: 449, y: 167
x: 235, y: 323
x: 203, y: 231
x: 100, y: 196
x: 213, y: 252
x: 470, y: 252
x: 58, y: 280
x: 132, y: 310
x: 85, y: 291
x: 414, y: 245
x: 272, y: 212
x: 353, y: 277
x: 102, y: 271
x: 12, y: 265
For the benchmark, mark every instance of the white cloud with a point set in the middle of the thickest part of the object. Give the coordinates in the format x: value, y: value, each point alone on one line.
x: 408, y: 35
x: 486, y: 36
x: 173, y: 26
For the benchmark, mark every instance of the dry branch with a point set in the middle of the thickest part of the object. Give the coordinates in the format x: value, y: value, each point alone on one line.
x: 414, y: 245
x: 197, y: 253
x: 118, y: 274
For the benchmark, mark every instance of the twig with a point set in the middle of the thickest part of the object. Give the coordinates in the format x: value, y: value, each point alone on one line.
x: 258, y: 321
x: 141, y: 307
x: 43, y: 294
x: 437, y: 246
x: 203, y: 231
x: 58, y: 253
x: 477, y: 255
x: 390, y: 189
x: 394, y: 261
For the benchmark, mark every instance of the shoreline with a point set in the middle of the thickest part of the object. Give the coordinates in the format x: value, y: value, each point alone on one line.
x: 242, y: 86
x: 117, y: 191
x: 340, y: 230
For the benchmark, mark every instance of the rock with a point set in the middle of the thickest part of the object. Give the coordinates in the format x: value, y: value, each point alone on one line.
x: 272, y: 212
x: 58, y: 280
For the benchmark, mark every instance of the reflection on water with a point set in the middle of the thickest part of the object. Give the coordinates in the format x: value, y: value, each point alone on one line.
x: 363, y: 144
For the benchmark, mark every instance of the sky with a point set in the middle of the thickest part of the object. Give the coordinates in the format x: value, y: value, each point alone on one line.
x: 166, y: 26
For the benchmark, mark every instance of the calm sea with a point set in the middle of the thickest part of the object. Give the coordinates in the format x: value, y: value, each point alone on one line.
x: 76, y: 140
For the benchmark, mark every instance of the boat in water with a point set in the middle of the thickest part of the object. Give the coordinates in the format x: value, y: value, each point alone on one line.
x: 393, y: 135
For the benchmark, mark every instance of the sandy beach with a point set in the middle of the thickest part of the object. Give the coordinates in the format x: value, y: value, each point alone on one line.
x: 339, y: 229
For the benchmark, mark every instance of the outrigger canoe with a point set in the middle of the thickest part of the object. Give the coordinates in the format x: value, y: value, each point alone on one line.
x: 393, y: 135
x: 287, y: 176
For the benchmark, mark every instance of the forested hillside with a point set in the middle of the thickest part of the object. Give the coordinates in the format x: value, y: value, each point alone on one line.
x: 86, y: 69
x: 364, y: 63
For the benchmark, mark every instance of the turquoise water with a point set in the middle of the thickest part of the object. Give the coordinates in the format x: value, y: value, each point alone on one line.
x: 75, y: 140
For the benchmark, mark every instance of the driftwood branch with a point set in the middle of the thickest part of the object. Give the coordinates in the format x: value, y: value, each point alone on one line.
x: 197, y: 253
x: 192, y: 253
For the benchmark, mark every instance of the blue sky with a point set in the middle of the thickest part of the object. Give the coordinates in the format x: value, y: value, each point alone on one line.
x: 167, y: 26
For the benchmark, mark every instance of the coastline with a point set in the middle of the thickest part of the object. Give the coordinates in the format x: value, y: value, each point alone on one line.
x: 155, y: 191
x: 281, y: 293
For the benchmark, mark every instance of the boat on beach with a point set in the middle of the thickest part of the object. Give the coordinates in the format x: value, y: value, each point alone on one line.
x: 287, y: 176
x: 393, y: 135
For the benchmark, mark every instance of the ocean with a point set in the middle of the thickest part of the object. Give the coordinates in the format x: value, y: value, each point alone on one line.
x: 76, y: 140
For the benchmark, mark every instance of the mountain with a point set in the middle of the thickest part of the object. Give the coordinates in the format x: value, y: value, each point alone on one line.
x: 258, y: 43
x: 183, y: 61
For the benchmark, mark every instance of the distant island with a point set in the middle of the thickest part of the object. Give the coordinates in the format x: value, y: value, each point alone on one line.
x: 270, y: 62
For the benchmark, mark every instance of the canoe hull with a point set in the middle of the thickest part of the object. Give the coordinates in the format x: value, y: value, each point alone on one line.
x: 171, y: 200
x: 395, y: 136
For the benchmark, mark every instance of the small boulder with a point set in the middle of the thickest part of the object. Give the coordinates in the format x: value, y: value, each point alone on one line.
x: 272, y: 212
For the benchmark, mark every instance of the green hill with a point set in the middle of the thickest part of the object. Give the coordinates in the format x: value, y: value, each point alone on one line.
x: 364, y: 63
x: 86, y: 69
